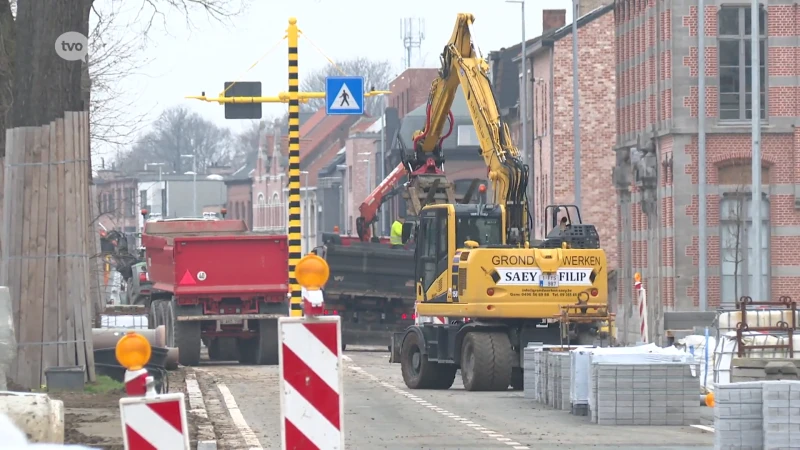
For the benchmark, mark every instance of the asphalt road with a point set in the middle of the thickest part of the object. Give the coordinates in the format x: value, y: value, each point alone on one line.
x: 381, y: 413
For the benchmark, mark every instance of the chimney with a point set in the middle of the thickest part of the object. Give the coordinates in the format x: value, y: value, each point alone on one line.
x: 553, y: 18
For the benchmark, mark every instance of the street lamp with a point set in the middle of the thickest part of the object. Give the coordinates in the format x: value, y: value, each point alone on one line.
x: 194, y: 182
x: 523, y: 104
x: 306, y: 209
x: 160, y: 186
x: 160, y: 165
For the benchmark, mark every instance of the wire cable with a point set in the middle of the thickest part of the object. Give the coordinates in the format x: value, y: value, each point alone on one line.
x: 323, y: 54
x: 236, y: 80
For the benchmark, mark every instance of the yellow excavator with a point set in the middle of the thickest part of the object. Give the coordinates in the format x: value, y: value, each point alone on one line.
x: 476, y: 266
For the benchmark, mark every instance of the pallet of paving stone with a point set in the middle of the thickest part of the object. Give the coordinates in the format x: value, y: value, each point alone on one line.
x: 738, y: 416
x: 645, y: 394
x: 531, y: 356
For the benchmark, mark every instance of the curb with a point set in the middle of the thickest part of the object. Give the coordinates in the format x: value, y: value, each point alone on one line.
x: 206, y: 436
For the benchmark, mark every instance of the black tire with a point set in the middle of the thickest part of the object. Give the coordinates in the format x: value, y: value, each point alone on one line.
x: 344, y: 346
x: 185, y: 336
x: 445, y: 376
x: 486, y: 361
x: 245, y: 348
x: 418, y: 372
x: 517, y: 378
x: 223, y: 349
x: 261, y: 350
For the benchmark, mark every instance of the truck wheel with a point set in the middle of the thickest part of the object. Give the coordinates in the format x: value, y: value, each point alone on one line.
x: 445, y: 376
x: 263, y: 349
x: 245, y: 349
x: 223, y: 349
x: 418, y: 372
x: 517, y: 379
x: 486, y: 361
x: 185, y: 336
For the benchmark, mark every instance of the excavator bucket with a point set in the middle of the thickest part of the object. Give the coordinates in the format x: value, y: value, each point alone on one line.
x: 428, y: 190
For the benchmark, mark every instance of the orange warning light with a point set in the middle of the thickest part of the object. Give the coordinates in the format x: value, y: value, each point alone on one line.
x: 710, y: 399
x: 133, y: 351
x: 482, y: 188
x: 312, y: 272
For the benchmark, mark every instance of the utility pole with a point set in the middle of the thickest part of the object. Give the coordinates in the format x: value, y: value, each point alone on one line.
x: 755, y: 164
x: 293, y: 98
x: 523, y: 102
x: 576, y: 100
x: 701, y: 160
x: 383, y: 158
x: 194, y: 183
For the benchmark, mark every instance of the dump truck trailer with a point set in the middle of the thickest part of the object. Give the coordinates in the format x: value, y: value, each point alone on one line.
x: 216, y: 282
x: 371, y: 286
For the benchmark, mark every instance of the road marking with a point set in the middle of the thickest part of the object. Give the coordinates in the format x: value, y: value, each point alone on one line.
x: 470, y: 424
x: 238, y: 419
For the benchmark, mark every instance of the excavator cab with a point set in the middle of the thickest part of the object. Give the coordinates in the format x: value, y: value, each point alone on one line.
x: 564, y: 225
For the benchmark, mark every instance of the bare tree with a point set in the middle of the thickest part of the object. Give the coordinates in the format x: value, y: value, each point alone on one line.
x: 177, y: 132
x: 733, y: 221
x: 377, y: 75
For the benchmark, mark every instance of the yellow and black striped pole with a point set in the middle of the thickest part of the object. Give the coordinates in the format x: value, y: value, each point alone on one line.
x: 295, y: 232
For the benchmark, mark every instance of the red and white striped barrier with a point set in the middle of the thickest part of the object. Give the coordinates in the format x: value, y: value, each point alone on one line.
x: 311, y: 383
x: 642, y: 294
x: 154, y: 423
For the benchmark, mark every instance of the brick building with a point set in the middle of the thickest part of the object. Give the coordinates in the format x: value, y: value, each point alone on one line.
x: 658, y: 128
x: 117, y: 200
x: 240, y: 192
x: 410, y: 89
x: 550, y: 124
x: 361, y: 160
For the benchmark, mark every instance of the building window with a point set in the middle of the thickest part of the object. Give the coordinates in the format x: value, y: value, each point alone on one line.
x: 737, y: 244
x: 735, y: 80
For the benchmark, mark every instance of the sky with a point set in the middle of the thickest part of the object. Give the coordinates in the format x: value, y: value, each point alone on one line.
x: 179, y: 59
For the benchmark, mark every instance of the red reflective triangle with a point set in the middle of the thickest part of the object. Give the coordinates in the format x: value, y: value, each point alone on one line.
x: 187, y: 279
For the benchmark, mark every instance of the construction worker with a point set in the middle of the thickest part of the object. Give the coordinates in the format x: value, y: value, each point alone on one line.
x: 396, y: 238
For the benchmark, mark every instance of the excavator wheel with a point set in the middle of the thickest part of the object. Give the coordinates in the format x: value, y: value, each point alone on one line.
x: 223, y: 349
x: 445, y: 376
x: 184, y: 335
x: 486, y: 361
x: 418, y: 372
x: 263, y: 349
x: 517, y: 379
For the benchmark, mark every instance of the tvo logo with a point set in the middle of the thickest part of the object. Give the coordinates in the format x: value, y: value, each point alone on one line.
x: 73, y: 46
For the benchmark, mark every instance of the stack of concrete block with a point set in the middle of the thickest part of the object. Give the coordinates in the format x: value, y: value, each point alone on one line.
x: 564, y: 381
x: 643, y: 394
x: 738, y: 416
x: 557, y: 371
x: 781, y: 414
x: 558, y: 377
x: 531, y: 372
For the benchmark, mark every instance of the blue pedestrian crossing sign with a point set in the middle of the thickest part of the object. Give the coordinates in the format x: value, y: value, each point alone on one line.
x: 344, y: 96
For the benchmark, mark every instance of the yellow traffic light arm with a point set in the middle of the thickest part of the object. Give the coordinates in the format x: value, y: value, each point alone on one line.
x: 282, y: 97
x: 461, y: 66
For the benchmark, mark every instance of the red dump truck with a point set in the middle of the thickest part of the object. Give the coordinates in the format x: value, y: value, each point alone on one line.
x: 215, y: 282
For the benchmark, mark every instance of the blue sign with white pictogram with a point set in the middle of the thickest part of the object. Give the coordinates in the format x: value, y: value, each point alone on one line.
x: 344, y: 96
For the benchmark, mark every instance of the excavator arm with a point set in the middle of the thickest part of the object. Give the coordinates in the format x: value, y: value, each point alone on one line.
x: 462, y: 66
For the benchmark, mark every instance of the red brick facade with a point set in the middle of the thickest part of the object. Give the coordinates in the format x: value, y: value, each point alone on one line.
x: 552, y: 123
x: 117, y: 200
x: 410, y: 90
x: 657, y: 107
